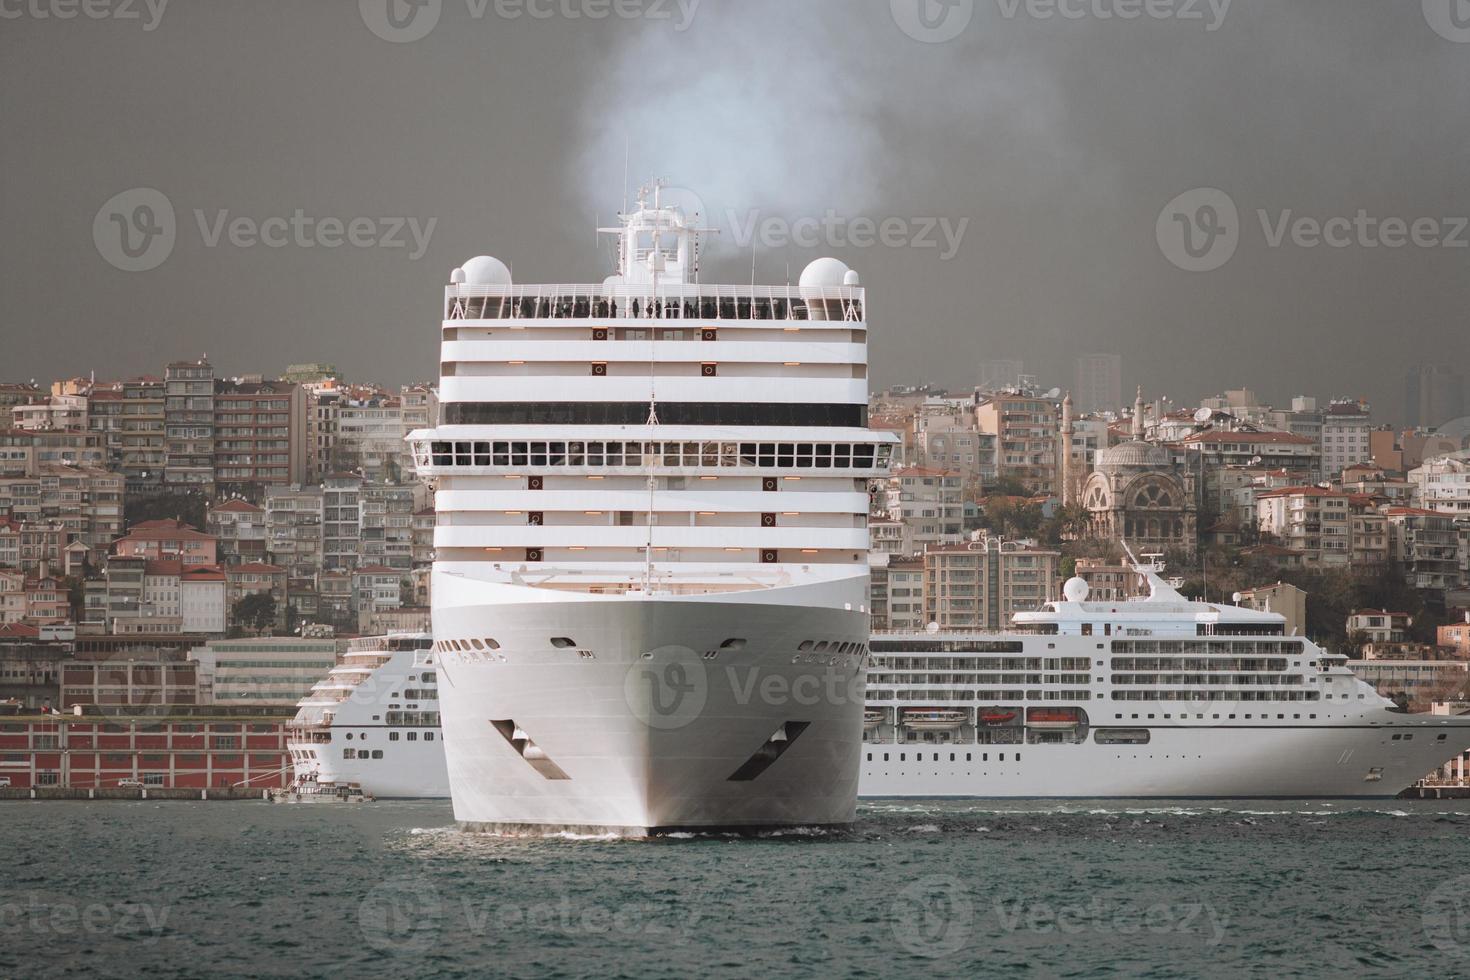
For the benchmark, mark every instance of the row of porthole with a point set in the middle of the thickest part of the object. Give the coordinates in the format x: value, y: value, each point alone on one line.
x: 838, y: 647
x: 464, y: 646
x: 919, y: 757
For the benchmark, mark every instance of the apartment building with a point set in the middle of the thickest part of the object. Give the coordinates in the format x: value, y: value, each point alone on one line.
x: 982, y: 584
x: 1311, y: 520
x: 189, y: 425
x: 167, y: 539
x: 260, y: 432
x: 1025, y: 427
x: 239, y: 527
x: 1443, y: 484
x: 1425, y: 545
x: 930, y: 502
x: 293, y: 519
x: 1345, y: 436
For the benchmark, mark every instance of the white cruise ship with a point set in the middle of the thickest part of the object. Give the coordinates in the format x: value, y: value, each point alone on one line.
x: 651, y: 504
x: 1153, y: 697
x: 372, y: 724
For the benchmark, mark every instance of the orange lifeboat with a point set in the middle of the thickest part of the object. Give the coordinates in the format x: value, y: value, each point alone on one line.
x: 1053, y: 718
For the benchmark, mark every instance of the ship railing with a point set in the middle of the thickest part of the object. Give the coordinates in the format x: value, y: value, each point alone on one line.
x: 661, y: 580
x: 674, y: 301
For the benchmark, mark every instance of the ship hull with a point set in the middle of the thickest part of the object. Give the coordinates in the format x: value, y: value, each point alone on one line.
x: 409, y: 771
x: 653, y: 719
x: 1291, y: 762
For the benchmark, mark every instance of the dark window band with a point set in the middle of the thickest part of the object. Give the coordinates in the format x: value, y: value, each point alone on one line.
x: 669, y: 413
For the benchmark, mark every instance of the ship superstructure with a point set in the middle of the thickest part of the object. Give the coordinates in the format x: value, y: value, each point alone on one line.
x: 373, y: 723
x: 650, y: 493
x: 1154, y: 697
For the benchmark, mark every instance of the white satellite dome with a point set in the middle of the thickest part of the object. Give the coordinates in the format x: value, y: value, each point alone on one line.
x: 852, y: 278
x: 1076, y: 589
x: 457, y: 276
x: 612, y: 281
x: 483, y: 270
x: 825, y: 271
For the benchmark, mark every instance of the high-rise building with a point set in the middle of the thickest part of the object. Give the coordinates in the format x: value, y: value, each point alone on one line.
x: 1345, y: 428
x: 189, y: 425
x: 1098, y: 383
x: 142, y: 449
x: 259, y: 432
x: 1433, y: 394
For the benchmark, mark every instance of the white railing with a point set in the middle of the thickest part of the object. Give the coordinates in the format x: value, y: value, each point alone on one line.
x: 687, y: 301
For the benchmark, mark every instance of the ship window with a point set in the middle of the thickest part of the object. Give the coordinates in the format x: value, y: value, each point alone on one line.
x: 805, y: 645
x: 491, y: 644
x: 1441, y: 738
x: 474, y: 643
x: 349, y: 753
x: 412, y: 736
x: 734, y: 643
x: 820, y: 647
x: 392, y: 736
x: 428, y: 736
x: 563, y: 642
x: 885, y: 756
x: 377, y: 753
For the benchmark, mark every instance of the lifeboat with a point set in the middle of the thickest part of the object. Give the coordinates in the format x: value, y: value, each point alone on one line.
x: 872, y: 718
x: 934, y: 719
x: 996, y: 717
x: 1056, y: 719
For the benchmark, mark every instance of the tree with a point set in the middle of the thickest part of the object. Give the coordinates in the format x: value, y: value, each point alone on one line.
x: 188, y: 506
x: 256, y: 611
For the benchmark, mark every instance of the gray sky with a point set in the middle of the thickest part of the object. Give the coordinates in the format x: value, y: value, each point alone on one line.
x: 1058, y: 139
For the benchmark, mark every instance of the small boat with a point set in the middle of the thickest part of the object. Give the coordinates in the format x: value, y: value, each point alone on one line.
x: 937, y: 719
x: 996, y: 717
x: 872, y: 718
x: 1053, y: 718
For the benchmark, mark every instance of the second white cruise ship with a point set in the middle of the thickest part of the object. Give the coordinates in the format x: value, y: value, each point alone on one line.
x: 651, y: 505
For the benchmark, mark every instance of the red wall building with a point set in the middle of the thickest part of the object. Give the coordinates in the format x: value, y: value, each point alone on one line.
x: 195, y: 748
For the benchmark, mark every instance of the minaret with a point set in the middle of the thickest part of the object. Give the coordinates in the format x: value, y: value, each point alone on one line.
x: 1138, y: 416
x: 1067, y: 450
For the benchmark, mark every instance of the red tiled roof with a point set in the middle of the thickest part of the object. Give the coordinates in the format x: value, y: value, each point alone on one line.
x: 19, y: 630
x: 1377, y: 612
x: 202, y: 573
x: 1414, y: 512
x: 165, y: 534
x: 163, y: 566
